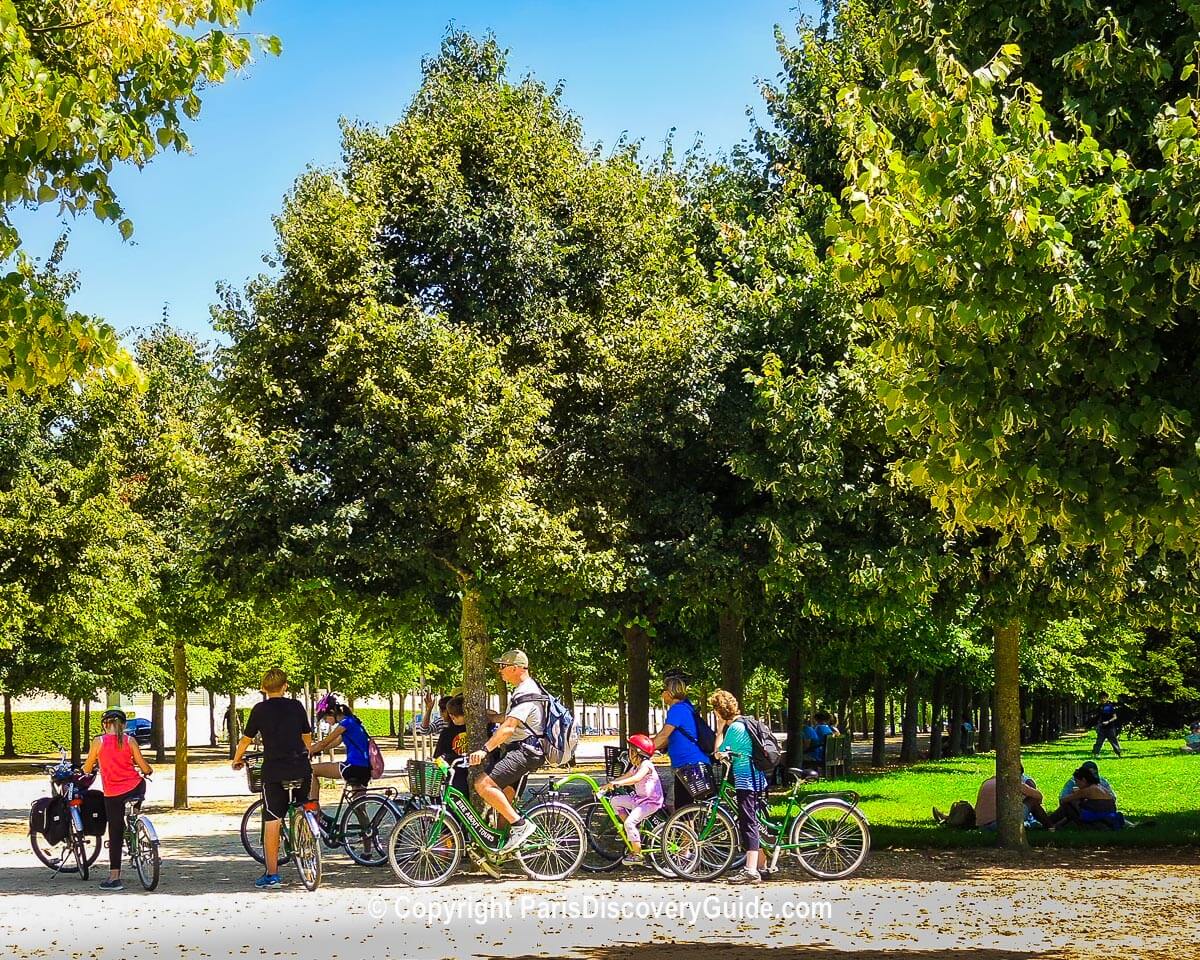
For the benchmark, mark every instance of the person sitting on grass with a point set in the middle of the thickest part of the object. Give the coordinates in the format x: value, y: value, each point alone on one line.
x: 647, y: 796
x: 1073, y: 784
x: 1089, y: 804
x: 985, y: 806
x: 1191, y: 743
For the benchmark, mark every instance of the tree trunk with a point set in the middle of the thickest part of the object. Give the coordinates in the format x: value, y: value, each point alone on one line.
x: 87, y: 723
x: 891, y: 716
x: 637, y: 655
x: 795, y: 708
x: 879, y: 738
x: 476, y: 657
x: 935, y: 716
x: 954, y: 727
x: 731, y: 640
x: 212, y: 718
x: 568, y: 692
x: 181, y: 725
x: 391, y: 714
x: 908, y: 721
x: 622, y: 717
x: 10, y: 747
x: 866, y: 724
x: 1010, y: 816
x: 157, y: 739
x: 403, y: 723
x: 75, y: 731
x: 235, y: 728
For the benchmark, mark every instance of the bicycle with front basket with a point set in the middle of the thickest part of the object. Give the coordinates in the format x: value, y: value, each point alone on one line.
x: 299, y: 832
x: 826, y: 832
x: 427, y: 845
x: 360, y: 826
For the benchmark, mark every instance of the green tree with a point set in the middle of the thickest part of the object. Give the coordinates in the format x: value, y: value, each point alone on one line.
x: 1024, y: 281
x: 87, y: 86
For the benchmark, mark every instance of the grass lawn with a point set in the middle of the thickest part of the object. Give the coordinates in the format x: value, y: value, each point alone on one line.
x: 1152, y: 780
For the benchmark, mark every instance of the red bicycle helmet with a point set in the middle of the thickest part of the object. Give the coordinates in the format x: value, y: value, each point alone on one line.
x: 642, y: 743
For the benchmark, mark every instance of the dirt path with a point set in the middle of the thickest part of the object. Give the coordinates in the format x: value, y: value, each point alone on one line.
x: 903, y: 905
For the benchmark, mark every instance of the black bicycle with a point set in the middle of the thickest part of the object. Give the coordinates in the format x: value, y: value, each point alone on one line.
x: 360, y: 824
x: 56, y: 823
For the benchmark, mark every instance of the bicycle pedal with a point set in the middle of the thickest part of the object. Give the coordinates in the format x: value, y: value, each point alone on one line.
x: 486, y: 866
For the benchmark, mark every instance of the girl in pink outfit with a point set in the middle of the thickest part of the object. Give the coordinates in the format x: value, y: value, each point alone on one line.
x: 647, y: 796
x: 122, y: 774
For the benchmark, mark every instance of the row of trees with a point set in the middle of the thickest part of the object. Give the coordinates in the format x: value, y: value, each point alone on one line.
x: 892, y: 399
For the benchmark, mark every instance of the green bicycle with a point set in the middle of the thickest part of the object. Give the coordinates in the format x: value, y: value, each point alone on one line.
x: 141, y: 840
x: 427, y: 845
x: 299, y: 833
x: 608, y: 842
x: 826, y: 832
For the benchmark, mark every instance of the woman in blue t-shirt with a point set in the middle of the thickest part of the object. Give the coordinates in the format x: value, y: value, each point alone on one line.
x: 679, y: 734
x: 347, y: 730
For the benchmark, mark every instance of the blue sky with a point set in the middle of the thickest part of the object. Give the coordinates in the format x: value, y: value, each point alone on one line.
x: 635, y: 68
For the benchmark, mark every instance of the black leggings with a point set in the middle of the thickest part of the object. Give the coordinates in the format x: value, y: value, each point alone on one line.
x: 115, y: 808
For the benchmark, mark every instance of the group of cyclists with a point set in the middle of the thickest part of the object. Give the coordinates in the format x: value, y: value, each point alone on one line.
x: 513, y: 750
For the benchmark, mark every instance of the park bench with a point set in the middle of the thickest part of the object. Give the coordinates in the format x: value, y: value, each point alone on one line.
x: 837, y: 755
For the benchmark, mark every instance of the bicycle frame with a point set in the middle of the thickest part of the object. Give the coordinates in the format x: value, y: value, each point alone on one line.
x: 773, y: 831
x: 455, y: 803
x: 603, y: 799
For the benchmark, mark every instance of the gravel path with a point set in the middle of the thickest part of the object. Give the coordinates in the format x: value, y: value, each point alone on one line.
x: 1055, y: 906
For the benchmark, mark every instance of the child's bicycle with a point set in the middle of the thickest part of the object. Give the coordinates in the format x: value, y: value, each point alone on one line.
x: 141, y: 840
x: 427, y: 845
x: 360, y: 826
x: 299, y: 833
x: 607, y: 841
x: 826, y: 832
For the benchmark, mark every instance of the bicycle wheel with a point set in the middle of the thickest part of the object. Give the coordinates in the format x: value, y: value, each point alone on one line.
x: 699, y: 841
x: 831, y: 839
x: 685, y: 849
x: 305, y: 835
x: 557, y: 845
x: 252, y: 828
x: 365, y: 827
x: 79, y: 849
x: 60, y: 857
x: 605, y: 846
x: 144, y: 853
x: 425, y: 848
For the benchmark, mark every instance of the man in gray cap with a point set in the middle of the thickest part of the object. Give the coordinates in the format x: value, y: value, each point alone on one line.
x: 515, y: 749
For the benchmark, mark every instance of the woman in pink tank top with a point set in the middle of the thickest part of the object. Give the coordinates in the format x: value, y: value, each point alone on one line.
x: 122, y: 774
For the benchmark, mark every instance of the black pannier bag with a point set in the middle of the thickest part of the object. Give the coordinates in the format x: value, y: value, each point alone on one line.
x: 50, y: 817
x: 95, y: 817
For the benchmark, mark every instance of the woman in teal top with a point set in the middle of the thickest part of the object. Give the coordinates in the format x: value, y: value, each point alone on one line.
x: 748, y: 780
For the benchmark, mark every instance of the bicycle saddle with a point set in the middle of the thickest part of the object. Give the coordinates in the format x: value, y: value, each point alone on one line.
x: 293, y: 784
x: 805, y: 776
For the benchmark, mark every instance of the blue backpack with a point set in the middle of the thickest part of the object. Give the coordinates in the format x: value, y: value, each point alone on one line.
x: 561, y: 732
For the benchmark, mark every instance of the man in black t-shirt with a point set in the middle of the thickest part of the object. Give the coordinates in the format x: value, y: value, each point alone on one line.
x: 282, y: 722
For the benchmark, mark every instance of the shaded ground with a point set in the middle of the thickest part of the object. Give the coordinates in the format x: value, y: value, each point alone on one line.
x: 1057, y: 905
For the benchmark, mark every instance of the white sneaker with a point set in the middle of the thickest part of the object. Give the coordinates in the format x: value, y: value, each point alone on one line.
x: 745, y: 876
x: 517, y: 836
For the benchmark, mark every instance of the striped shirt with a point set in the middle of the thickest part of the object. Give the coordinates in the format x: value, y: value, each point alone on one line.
x: 736, y: 742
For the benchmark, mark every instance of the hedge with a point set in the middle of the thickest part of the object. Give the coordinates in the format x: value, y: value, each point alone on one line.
x: 35, y: 730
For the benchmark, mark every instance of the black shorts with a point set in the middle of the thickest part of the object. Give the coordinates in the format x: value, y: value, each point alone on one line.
x: 276, y: 798
x: 513, y: 764
x: 356, y: 776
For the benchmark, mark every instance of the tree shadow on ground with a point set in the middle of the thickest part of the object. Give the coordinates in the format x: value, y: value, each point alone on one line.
x: 737, y: 951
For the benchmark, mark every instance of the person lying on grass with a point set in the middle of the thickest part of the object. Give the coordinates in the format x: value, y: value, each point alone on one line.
x: 1191, y: 743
